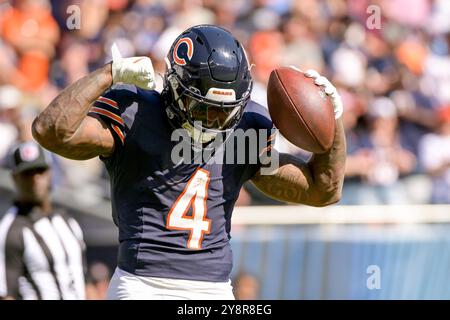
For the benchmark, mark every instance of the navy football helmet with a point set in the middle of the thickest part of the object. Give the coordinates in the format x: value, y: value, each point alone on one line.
x: 207, y: 83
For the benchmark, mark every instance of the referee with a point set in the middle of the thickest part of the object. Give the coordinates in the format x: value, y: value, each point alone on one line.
x: 41, y: 250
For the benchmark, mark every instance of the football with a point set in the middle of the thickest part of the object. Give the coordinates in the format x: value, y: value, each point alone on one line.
x: 301, y: 110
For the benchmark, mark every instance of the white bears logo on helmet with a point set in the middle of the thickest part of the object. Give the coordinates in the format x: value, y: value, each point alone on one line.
x: 226, y: 95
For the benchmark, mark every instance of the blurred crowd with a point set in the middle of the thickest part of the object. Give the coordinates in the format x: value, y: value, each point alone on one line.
x: 392, y: 71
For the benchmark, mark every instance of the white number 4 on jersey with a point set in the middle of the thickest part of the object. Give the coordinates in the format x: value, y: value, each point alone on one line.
x: 195, y: 194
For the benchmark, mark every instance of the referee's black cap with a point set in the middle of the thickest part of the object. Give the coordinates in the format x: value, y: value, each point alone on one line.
x: 27, y: 156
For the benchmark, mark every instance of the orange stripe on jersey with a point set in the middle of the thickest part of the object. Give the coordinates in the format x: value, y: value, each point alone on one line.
x: 110, y: 102
x: 107, y: 114
x: 119, y: 133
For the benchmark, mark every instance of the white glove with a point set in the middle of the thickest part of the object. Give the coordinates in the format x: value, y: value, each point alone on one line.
x: 136, y: 70
x: 329, y: 89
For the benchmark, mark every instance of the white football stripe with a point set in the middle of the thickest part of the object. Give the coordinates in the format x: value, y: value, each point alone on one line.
x: 73, y: 249
x: 26, y: 289
x: 38, y: 267
x: 45, y: 229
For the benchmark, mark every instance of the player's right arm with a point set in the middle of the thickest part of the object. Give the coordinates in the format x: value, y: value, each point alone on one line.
x: 64, y: 128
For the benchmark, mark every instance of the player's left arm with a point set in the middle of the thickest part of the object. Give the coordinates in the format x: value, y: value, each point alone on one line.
x: 317, y: 182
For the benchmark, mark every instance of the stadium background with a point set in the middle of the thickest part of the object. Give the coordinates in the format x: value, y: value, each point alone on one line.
x: 394, y: 79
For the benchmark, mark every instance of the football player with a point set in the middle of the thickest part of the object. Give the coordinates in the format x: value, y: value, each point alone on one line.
x: 174, y: 219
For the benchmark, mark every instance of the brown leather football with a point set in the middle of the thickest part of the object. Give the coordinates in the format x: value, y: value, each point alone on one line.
x: 301, y: 110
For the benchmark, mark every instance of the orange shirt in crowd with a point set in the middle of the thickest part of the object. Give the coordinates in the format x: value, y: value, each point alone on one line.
x: 33, y: 33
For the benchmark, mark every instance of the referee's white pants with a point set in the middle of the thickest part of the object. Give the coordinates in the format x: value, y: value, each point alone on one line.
x: 127, y: 286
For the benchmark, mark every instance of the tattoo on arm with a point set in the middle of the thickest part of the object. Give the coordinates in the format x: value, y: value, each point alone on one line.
x: 328, y: 169
x: 63, y: 126
x: 92, y: 139
x: 290, y: 183
x: 317, y: 182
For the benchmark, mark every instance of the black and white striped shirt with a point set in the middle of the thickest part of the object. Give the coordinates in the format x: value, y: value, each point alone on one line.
x: 41, y: 257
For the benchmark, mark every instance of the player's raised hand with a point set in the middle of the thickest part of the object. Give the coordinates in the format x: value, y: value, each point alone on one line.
x: 330, y: 90
x: 135, y: 70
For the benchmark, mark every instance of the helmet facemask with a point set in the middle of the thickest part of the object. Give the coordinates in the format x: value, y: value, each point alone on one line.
x: 204, y: 114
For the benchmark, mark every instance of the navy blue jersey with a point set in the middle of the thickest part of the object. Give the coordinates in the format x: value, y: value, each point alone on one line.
x: 174, y: 219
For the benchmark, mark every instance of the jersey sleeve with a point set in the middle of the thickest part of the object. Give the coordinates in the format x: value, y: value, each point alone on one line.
x: 258, y: 118
x: 112, y: 108
x: 11, y: 265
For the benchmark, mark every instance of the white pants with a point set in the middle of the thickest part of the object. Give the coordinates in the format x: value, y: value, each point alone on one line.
x: 127, y: 286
